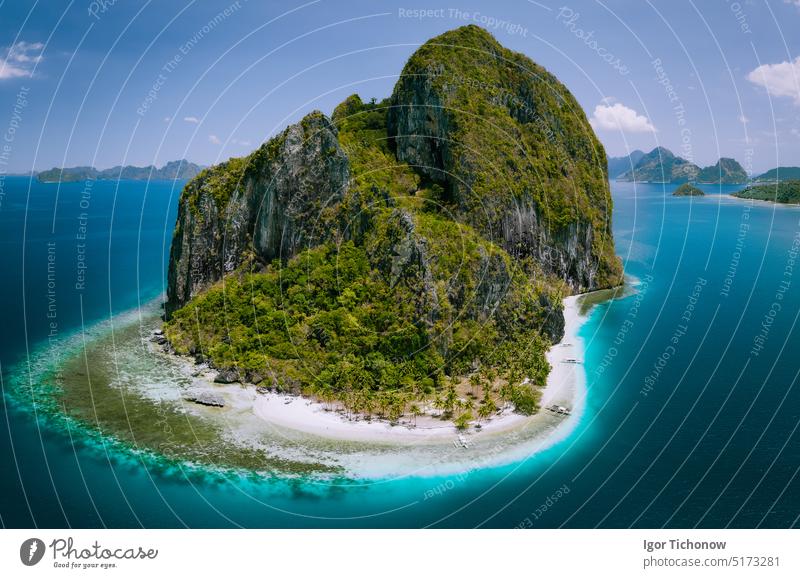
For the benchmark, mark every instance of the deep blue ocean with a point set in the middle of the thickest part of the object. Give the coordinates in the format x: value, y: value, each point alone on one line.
x: 691, y: 418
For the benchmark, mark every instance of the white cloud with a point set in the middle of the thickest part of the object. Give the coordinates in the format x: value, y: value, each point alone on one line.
x: 619, y: 117
x: 167, y: 119
x: 20, y: 60
x: 191, y: 119
x: 782, y: 79
x: 214, y: 139
x: 244, y: 143
x: 742, y: 118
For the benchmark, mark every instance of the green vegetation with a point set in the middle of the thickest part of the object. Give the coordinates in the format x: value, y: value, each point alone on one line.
x: 787, y: 192
x: 219, y: 182
x: 329, y: 325
x: 362, y: 134
x: 779, y: 174
x: 687, y: 190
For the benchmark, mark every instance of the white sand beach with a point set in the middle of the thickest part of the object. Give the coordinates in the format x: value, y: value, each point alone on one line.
x: 565, y: 385
x: 296, y: 428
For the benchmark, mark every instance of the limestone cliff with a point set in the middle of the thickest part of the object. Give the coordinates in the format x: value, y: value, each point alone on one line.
x: 400, y: 246
x: 513, y: 151
x: 269, y: 205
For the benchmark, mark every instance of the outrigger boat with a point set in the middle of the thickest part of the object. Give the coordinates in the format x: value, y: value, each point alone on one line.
x: 461, y: 441
x: 559, y: 409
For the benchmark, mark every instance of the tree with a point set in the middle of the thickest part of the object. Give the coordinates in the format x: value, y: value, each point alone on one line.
x: 483, y: 412
x: 396, y: 406
x: 475, y: 382
x: 525, y: 399
x: 463, y: 420
x: 450, y: 398
x: 415, y: 412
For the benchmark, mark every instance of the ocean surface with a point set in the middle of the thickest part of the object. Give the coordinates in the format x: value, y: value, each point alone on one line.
x: 691, y: 417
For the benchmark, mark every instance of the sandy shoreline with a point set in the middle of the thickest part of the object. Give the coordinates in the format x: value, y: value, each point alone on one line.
x: 565, y: 387
x: 237, y: 425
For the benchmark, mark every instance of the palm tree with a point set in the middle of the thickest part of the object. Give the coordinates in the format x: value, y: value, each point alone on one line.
x: 415, y: 412
x: 383, y: 403
x: 450, y: 398
x: 487, y: 407
x: 462, y: 421
x: 483, y: 412
x: 475, y: 382
x: 368, y: 402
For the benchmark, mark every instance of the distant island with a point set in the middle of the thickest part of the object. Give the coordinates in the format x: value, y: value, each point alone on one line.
x: 727, y: 171
x: 662, y: 166
x: 786, y: 192
x: 180, y: 170
x: 618, y: 166
x: 687, y: 190
x: 778, y: 174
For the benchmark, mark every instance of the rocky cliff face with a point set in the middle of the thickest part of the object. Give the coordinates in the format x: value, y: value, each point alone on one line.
x: 269, y: 205
x: 513, y: 151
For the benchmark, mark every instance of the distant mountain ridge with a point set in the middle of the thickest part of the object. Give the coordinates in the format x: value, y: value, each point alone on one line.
x: 620, y: 165
x: 661, y: 165
x: 727, y: 171
x: 181, y: 170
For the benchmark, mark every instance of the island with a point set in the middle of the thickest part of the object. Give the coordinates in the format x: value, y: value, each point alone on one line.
x: 727, y: 171
x: 662, y: 166
x: 173, y: 170
x: 618, y: 166
x: 778, y: 174
x: 784, y: 192
x: 687, y: 190
x: 402, y: 258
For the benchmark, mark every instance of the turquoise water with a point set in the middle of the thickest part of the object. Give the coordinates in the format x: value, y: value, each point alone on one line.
x: 691, y: 417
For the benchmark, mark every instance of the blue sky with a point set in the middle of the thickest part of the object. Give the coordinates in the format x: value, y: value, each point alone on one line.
x: 133, y: 82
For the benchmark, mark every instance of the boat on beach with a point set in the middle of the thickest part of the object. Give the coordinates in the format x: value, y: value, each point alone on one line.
x: 559, y: 409
x: 461, y: 441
